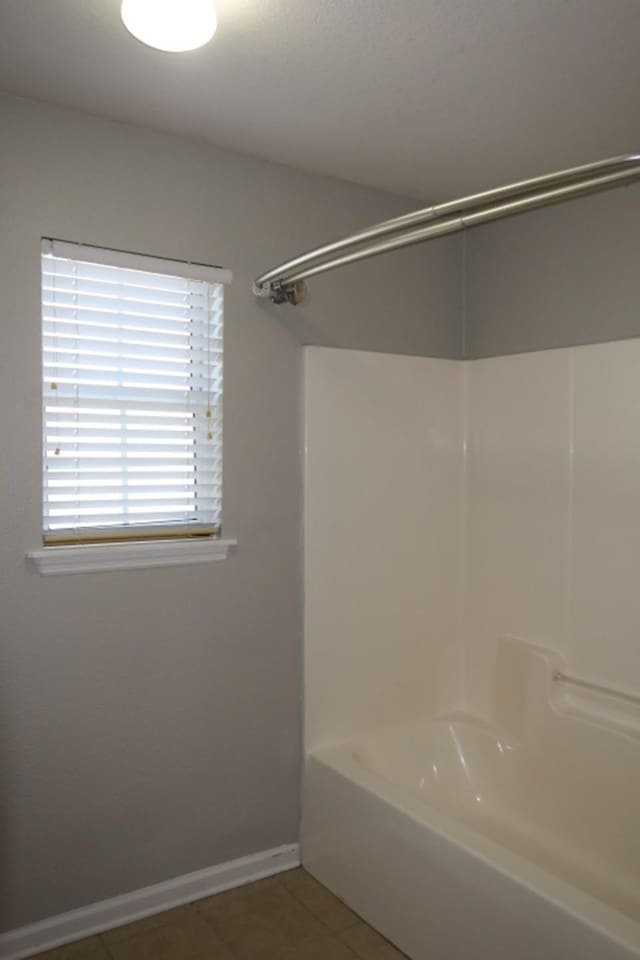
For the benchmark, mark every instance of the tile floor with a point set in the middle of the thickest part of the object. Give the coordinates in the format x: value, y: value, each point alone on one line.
x: 287, y: 917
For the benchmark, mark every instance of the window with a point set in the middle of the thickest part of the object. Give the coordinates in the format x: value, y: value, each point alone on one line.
x: 132, y: 396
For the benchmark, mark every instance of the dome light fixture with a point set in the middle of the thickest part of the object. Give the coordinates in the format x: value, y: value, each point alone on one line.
x: 171, y: 25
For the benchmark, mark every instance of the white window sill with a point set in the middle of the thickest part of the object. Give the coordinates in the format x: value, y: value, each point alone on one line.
x: 96, y: 557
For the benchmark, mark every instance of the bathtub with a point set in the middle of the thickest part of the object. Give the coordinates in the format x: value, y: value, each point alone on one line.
x: 460, y: 838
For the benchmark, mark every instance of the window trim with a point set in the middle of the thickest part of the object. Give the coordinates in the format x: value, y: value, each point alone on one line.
x: 98, y: 557
x: 100, y: 549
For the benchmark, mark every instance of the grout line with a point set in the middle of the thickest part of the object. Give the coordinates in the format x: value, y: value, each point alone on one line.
x: 156, y: 925
x: 163, y: 919
x: 338, y: 934
x: 105, y: 947
x: 299, y: 900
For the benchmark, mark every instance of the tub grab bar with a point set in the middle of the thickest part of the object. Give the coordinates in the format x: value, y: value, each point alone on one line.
x: 560, y: 677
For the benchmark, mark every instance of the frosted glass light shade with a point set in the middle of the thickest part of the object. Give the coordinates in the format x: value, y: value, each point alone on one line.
x: 171, y: 25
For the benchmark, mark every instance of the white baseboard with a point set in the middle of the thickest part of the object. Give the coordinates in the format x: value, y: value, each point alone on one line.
x: 66, y: 927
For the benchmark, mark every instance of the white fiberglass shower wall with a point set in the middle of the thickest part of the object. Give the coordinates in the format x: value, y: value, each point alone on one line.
x: 383, y: 527
x: 553, y: 532
x: 448, y: 504
x: 471, y: 530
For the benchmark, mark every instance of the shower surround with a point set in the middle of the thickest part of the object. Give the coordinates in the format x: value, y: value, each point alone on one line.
x: 469, y: 531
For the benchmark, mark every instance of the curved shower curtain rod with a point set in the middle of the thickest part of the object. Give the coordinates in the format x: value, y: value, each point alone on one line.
x: 285, y: 283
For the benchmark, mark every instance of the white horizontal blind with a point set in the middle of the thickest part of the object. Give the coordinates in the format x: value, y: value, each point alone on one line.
x: 132, y: 399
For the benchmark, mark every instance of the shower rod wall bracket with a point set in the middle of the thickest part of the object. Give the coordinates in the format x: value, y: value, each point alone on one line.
x: 285, y: 283
x: 281, y: 291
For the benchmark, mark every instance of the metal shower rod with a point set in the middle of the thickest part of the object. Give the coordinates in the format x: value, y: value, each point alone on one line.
x: 285, y: 283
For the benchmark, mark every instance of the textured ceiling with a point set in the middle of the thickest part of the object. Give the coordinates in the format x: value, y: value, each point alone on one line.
x: 432, y: 98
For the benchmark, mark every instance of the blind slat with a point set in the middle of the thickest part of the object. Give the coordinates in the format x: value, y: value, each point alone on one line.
x: 86, y: 321
x: 114, y: 335
x: 81, y: 312
x: 152, y: 396
x: 58, y: 285
x: 71, y: 352
x: 84, y: 494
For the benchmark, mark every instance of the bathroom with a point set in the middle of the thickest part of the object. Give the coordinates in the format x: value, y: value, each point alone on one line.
x: 381, y: 698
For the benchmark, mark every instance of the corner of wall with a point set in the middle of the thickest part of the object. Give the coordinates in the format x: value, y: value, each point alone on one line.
x: 463, y: 288
x: 463, y: 535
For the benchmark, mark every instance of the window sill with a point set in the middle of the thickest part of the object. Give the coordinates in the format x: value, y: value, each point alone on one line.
x: 96, y: 557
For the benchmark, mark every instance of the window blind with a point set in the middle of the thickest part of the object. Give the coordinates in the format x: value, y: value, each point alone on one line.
x: 132, y: 396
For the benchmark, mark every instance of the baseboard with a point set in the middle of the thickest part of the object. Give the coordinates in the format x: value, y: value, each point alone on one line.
x: 66, y: 927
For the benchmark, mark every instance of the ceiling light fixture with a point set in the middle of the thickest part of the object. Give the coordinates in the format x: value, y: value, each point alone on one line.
x: 171, y: 25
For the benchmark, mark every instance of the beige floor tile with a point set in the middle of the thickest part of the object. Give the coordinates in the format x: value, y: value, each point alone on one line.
x: 129, y: 930
x: 369, y: 945
x: 261, y: 925
x: 322, y: 948
x: 237, y: 895
x: 247, y: 904
x: 320, y: 901
x: 89, y: 949
x: 188, y: 939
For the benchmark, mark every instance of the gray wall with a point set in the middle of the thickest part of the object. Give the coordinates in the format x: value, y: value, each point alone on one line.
x: 150, y: 720
x: 557, y: 277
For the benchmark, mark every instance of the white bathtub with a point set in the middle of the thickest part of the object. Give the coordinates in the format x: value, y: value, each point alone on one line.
x: 462, y: 839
